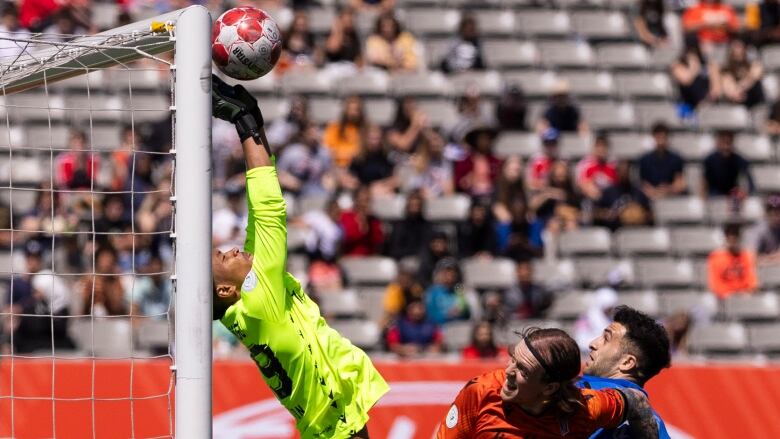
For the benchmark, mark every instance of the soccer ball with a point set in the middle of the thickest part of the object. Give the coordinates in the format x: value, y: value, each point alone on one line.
x: 245, y: 43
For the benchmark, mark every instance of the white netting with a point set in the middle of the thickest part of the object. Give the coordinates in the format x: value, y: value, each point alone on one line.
x: 86, y: 220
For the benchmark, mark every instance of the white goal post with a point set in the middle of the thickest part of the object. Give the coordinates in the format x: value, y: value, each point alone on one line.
x: 186, y: 33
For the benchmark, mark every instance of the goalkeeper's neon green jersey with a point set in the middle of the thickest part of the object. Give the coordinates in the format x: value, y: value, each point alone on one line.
x: 325, y: 382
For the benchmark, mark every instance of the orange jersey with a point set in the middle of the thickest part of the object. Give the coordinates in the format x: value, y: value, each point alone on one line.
x: 479, y: 413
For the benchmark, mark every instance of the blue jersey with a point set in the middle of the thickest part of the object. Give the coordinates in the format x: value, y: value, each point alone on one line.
x: 622, y: 432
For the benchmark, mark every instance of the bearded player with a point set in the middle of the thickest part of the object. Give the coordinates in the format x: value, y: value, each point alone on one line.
x: 325, y: 382
x: 632, y: 349
x: 535, y: 397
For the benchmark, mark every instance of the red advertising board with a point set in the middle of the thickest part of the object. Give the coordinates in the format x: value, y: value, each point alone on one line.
x: 132, y: 400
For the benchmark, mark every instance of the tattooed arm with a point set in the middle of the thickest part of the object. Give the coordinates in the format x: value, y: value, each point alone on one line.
x: 639, y: 415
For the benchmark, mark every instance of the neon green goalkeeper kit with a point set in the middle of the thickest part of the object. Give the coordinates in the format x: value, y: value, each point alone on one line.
x: 325, y: 382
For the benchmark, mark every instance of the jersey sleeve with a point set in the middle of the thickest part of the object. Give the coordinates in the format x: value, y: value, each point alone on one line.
x: 263, y: 290
x: 607, y: 408
x: 462, y: 416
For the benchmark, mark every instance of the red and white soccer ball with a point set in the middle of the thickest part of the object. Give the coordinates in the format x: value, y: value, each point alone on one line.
x: 245, y: 43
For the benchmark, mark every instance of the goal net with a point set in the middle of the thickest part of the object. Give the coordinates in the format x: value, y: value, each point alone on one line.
x: 105, y: 231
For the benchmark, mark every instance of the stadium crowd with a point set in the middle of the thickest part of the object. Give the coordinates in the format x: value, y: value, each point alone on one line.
x: 518, y: 208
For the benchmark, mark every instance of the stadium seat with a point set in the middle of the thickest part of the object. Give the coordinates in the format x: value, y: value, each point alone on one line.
x: 148, y: 108
x: 601, y: 25
x: 692, y: 146
x: 95, y: 107
x: 569, y: 306
x: 419, y: 84
x: 761, y: 306
x: 771, y: 87
x: 307, y: 204
x: 372, y: 302
x: 693, y: 174
x: 21, y: 170
x: 103, y: 337
x: 720, y: 210
x: 543, y: 22
x: 432, y: 21
x: 770, y: 56
x: 389, y: 208
x: 565, y: 54
x: 23, y: 199
x: 609, y: 115
x: 11, y: 262
x: 679, y: 210
x: 497, y: 273
x: 306, y: 82
x: 369, y: 270
x: 718, y: 337
x: 450, y: 208
x: 622, y: 56
x: 321, y: 20
x: 696, y: 240
x: 152, y: 334
x: 766, y: 178
x: 769, y: 275
x: 457, y: 335
x: 651, y: 112
x: 645, y: 301
x: 700, y: 302
x: 296, y: 237
x: 754, y: 148
x: 502, y: 54
x: 324, y: 110
x: 495, y: 22
x: 642, y: 240
x: 655, y: 272
x: 435, y: 50
x: 587, y: 240
x: 367, y: 82
x: 125, y: 80
x: 263, y: 85
x: 724, y: 116
x: 106, y: 137
x: 34, y: 106
x: 572, y: 146
x: 520, y: 143
x: 554, y: 274
x: 440, y: 112
x: 765, y: 337
x: 629, y: 146
x: 644, y: 85
x: 600, y: 271
x: 488, y: 82
x: 589, y: 83
x: 296, y: 265
x: 364, y: 334
x: 12, y: 137
x: 339, y: 304
x: 535, y: 83
x: 274, y: 109
x: 380, y: 111
x: 662, y: 58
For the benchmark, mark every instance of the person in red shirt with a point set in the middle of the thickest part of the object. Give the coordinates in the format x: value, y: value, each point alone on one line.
x: 483, y: 345
x: 539, y: 166
x: 477, y: 174
x: 712, y: 21
x: 732, y: 269
x: 535, y: 397
x: 77, y: 167
x: 596, y: 172
x: 362, y: 231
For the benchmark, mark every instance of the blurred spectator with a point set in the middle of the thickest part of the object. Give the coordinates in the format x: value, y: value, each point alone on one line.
x: 298, y: 42
x: 557, y: 204
x: 661, y: 170
x: 477, y: 235
x: 512, y: 109
x: 408, y: 126
x: 724, y: 167
x: 561, y: 113
x: 446, y: 300
x: 509, y: 188
x: 114, y: 218
x: 471, y: 113
x: 591, y: 323
x: 343, y: 43
x: 343, y: 137
x: 677, y: 327
x: 10, y: 28
x: 285, y: 130
x: 412, y: 335
x: 623, y: 203
x: 438, y: 248
x: 404, y: 290
x: 156, y: 212
x: 595, y: 172
x: 372, y: 167
x: 363, y: 234
x: 305, y: 167
x: 520, y: 239
x: 122, y: 157
x: 713, y: 22
x: 762, y: 19
x: 742, y: 76
x: 36, y: 15
x: 465, y: 52
x: 228, y: 224
x: 476, y: 174
x: 649, y: 23
x: 773, y: 120
x: 696, y: 78
x: 102, y: 292
x: 64, y: 26
x: 76, y: 168
x: 768, y: 237
x: 428, y: 169
x: 483, y: 344
x: 324, y: 233
x: 373, y: 6
x: 408, y: 233
x: 526, y: 299
x: 539, y: 165
x: 150, y: 293
x: 732, y: 269
x: 325, y: 276
x: 390, y: 47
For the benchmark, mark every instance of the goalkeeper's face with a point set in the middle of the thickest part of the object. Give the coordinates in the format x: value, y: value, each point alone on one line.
x: 229, y: 270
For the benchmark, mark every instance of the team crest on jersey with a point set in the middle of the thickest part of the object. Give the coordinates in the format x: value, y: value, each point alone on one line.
x: 250, y: 281
x: 452, y: 417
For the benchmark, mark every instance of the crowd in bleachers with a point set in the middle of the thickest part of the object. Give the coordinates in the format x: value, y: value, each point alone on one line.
x: 452, y: 163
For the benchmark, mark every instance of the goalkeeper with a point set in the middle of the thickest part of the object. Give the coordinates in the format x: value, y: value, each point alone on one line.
x: 325, y: 382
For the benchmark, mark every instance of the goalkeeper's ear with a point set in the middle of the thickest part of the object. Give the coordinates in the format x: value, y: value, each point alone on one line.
x: 219, y: 305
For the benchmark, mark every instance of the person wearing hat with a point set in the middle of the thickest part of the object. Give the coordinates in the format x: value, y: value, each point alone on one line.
x: 539, y: 165
x: 561, y: 113
x: 477, y: 173
x: 768, y: 237
x: 445, y: 300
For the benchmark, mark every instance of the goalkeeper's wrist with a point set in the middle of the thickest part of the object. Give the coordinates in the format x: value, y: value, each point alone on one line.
x: 246, y: 127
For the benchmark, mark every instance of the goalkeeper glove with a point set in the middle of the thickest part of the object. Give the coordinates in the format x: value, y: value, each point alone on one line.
x: 236, y: 105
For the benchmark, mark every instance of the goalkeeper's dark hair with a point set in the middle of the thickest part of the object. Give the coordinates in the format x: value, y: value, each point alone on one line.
x: 646, y: 339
